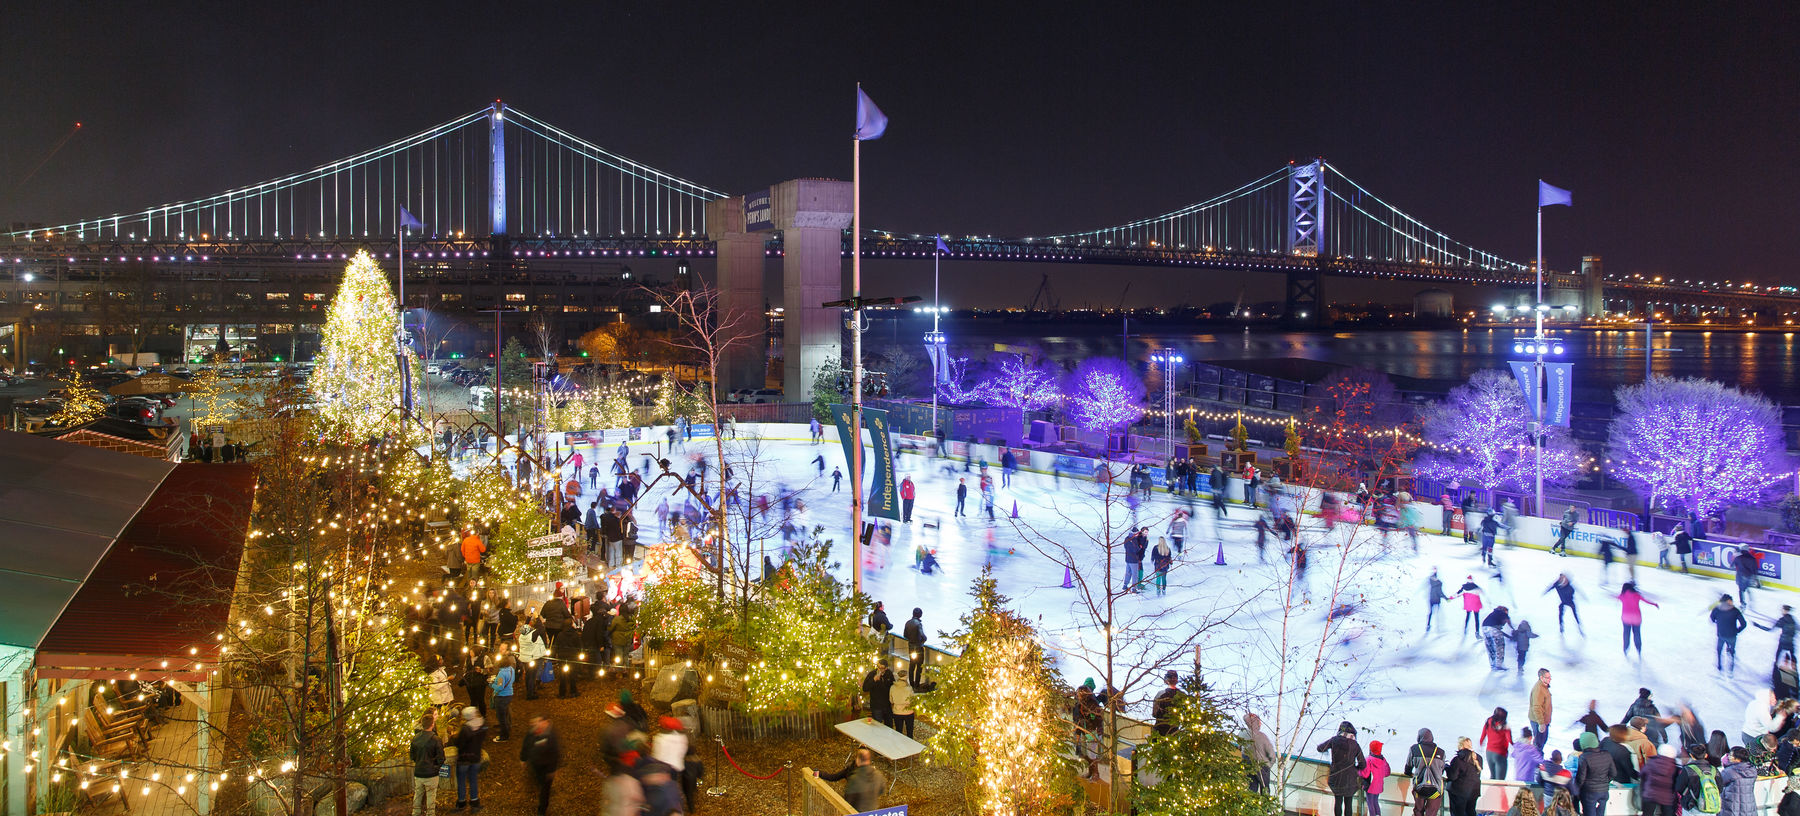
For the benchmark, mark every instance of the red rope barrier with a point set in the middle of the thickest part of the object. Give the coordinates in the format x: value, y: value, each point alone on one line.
x: 740, y: 769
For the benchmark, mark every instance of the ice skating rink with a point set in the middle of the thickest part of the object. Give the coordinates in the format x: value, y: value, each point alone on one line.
x: 1378, y: 667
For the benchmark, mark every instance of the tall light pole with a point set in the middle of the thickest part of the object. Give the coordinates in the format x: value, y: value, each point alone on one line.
x: 1168, y: 360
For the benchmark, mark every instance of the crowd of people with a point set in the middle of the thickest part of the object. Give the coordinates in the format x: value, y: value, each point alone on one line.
x: 1674, y: 763
x: 482, y: 654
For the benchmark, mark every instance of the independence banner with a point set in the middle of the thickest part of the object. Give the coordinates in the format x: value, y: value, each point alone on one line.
x: 1558, y: 392
x: 1528, y: 382
x: 884, y: 496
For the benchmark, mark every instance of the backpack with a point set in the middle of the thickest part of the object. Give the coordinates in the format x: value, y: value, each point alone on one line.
x: 1706, y: 798
x: 1428, y: 781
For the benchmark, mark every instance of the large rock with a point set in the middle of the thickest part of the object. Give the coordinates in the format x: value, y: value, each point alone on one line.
x: 356, y: 796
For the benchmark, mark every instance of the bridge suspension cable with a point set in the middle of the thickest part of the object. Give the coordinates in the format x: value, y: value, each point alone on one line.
x: 569, y: 186
x: 427, y: 172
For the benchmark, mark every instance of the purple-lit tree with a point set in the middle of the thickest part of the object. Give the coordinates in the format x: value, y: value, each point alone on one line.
x: 1481, y: 434
x: 1103, y: 394
x: 1696, y: 441
x: 951, y: 389
x: 1019, y: 381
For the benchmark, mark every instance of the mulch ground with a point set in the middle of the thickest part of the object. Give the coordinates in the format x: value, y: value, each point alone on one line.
x: 579, y: 787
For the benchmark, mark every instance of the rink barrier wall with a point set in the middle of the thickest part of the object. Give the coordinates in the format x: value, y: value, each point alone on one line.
x: 1307, y: 792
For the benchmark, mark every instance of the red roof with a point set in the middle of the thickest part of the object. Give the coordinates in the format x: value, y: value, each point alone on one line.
x: 166, y: 584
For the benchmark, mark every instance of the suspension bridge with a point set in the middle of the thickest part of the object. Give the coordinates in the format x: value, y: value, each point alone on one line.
x: 498, y: 185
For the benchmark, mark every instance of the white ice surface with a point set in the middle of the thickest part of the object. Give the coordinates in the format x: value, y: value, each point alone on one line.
x: 1404, y: 677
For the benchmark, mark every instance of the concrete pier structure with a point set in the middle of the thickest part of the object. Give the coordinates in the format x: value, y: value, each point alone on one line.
x: 812, y: 215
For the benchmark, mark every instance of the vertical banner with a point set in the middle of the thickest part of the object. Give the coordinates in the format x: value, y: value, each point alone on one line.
x: 884, y: 496
x: 1558, y: 391
x: 940, y: 361
x: 1528, y: 382
x: 759, y: 211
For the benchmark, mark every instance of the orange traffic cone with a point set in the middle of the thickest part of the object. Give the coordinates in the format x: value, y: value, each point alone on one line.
x: 1220, y: 559
x: 1015, y: 508
x: 1068, y: 579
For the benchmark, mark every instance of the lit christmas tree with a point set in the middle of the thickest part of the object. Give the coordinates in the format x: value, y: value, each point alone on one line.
x: 1103, y: 394
x: 357, y: 382
x: 805, y: 629
x: 1697, y: 441
x: 81, y: 403
x: 998, y: 712
x: 1480, y: 434
x: 1200, y: 767
x: 212, y: 407
x: 663, y: 412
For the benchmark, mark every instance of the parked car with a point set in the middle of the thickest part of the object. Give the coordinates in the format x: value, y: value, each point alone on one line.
x: 134, y: 411
x: 762, y: 395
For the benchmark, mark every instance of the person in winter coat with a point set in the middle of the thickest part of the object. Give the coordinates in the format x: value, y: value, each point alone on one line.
x: 1161, y: 558
x: 1496, y: 741
x: 1425, y: 764
x: 1653, y: 720
x: 900, y: 699
x: 1784, y: 644
x: 1521, y: 636
x: 878, y: 621
x: 567, y: 648
x: 1623, y: 759
x: 1727, y: 621
x: 1261, y: 752
x: 541, y: 754
x: 1539, y: 712
x: 1526, y: 758
x: 1737, y: 785
x: 1374, y: 775
x: 1471, y: 601
x: 427, y: 754
x: 863, y: 790
x: 1464, y: 778
x: 1658, y: 780
x: 532, y: 651
x: 1346, y: 763
x: 875, y: 686
x: 915, y: 646
x: 1593, y: 775
x: 468, y: 742
x: 1632, y: 616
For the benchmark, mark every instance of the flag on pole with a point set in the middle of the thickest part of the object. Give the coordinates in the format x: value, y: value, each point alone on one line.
x: 407, y: 219
x: 942, y: 247
x: 1550, y: 195
x: 870, y: 121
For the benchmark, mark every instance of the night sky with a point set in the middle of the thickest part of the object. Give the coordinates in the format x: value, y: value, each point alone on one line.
x: 1675, y: 128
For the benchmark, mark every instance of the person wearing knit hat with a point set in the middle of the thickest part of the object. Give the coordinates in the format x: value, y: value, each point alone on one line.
x: 1374, y: 773
x: 1594, y: 773
x: 635, y: 713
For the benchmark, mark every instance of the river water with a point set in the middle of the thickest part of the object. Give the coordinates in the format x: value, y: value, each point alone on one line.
x: 1767, y: 362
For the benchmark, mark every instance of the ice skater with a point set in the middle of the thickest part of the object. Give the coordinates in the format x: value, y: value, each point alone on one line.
x: 1784, y: 644
x: 1565, y: 599
x: 819, y: 462
x: 1299, y: 570
x: 1521, y: 637
x: 1728, y: 621
x: 1178, y: 530
x: 1434, y: 595
x: 1631, y: 615
x: 1470, y: 594
x: 1564, y: 529
x: 1490, y: 530
x: 1493, y: 634
x: 837, y: 478
x: 962, y: 496
x: 1748, y: 568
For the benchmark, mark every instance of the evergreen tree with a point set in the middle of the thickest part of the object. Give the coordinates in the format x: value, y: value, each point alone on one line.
x: 998, y: 711
x: 81, y: 403
x: 1200, y: 767
x: 357, y: 382
x: 806, y: 633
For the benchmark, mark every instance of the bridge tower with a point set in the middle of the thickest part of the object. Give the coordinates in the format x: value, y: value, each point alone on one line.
x: 812, y: 215
x: 1593, y: 279
x: 497, y: 168
x: 1305, y: 239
